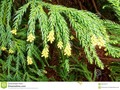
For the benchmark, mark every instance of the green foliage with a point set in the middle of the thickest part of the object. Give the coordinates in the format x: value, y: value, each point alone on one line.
x: 26, y: 35
x: 115, y: 71
x: 113, y: 30
x: 115, y: 5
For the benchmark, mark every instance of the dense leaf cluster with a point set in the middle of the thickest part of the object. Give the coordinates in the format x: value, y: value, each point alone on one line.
x: 25, y: 37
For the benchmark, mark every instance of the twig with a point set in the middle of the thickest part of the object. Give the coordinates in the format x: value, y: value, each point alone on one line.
x: 110, y: 59
x: 80, y: 4
x: 94, y: 4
